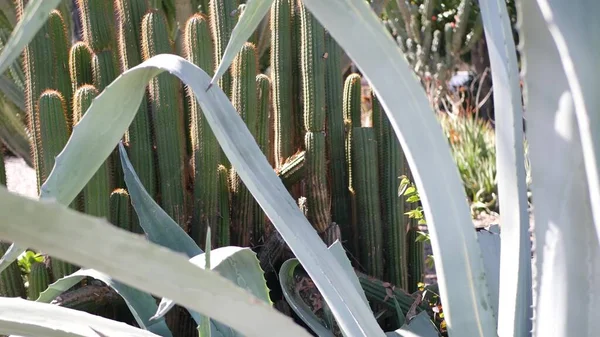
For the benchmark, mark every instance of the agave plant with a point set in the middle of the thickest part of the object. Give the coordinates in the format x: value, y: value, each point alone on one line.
x: 556, y: 35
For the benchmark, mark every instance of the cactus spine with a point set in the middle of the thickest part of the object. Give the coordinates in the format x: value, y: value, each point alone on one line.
x: 39, y: 280
x: 282, y: 64
x: 391, y: 163
x: 366, y: 186
x: 120, y: 207
x: 139, y: 135
x: 167, y: 120
x: 205, y: 148
x: 313, y: 89
x: 223, y: 18
x: 11, y: 281
x: 263, y: 87
x: 96, y: 193
x: 338, y: 170
x: 2, y: 167
x: 244, y: 99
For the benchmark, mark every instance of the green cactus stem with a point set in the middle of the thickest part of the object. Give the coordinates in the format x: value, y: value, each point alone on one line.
x: 293, y: 169
x: 366, y: 186
x: 383, y: 293
x: 318, y: 203
x: 198, y: 48
x: 80, y: 65
x: 222, y: 233
x: 39, y: 280
x: 282, y: 63
x: 244, y: 99
x: 96, y: 193
x: 415, y: 252
x: 139, y: 135
x: 53, y: 131
x: 391, y: 163
x: 120, y: 211
x: 60, y: 47
x: 338, y: 170
x: 167, y: 120
x: 11, y: 281
x: 263, y: 87
x: 223, y: 18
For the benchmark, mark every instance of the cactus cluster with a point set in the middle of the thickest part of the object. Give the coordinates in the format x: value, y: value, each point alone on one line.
x: 306, y: 116
x: 428, y: 49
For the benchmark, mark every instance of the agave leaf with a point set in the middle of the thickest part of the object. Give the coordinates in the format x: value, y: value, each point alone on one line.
x: 141, y: 305
x: 236, y: 264
x: 12, y: 92
x: 489, y: 243
x: 565, y: 259
x: 115, y: 108
x: 514, y: 307
x: 293, y: 298
x: 573, y: 26
x: 34, y: 17
x: 253, y: 14
x: 420, y: 326
x: 29, y: 318
x: 127, y: 257
x: 288, y: 287
x: 461, y: 273
x: 155, y: 222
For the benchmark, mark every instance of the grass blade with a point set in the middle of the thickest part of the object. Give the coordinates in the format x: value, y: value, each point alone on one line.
x: 458, y: 258
x: 141, y: 305
x: 514, y: 311
x: 29, y: 318
x: 34, y: 17
x: 132, y: 260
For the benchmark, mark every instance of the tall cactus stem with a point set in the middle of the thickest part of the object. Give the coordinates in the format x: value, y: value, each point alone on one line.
x: 121, y: 212
x: 282, y: 64
x: 11, y: 281
x: 338, y: 170
x: 223, y: 18
x: 198, y: 48
x: 366, y: 186
x: 244, y: 99
x: 168, y: 121
x: 139, y: 136
x: 80, y: 65
x: 263, y: 87
x: 223, y: 230
x: 39, y: 280
x: 318, y: 202
x: 391, y: 163
x: 96, y: 193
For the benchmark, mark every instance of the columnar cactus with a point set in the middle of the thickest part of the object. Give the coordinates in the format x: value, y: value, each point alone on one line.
x: 391, y: 167
x: 198, y: 48
x: 96, y: 193
x: 282, y: 64
x: 336, y: 135
x: 223, y: 16
x: 244, y: 99
x: 167, y: 120
x: 366, y: 187
x: 39, y: 280
x: 313, y: 89
x: 121, y: 212
x: 139, y: 135
x: 263, y: 88
x: 223, y: 231
x: 11, y: 281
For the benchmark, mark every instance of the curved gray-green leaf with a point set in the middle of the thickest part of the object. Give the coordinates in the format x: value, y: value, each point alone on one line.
x: 29, y: 318
x: 156, y: 223
x: 141, y: 305
x: 131, y: 259
x: 461, y: 274
x: 514, y: 307
x: 293, y: 298
x: 419, y: 326
x: 114, y: 110
x: 236, y: 264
